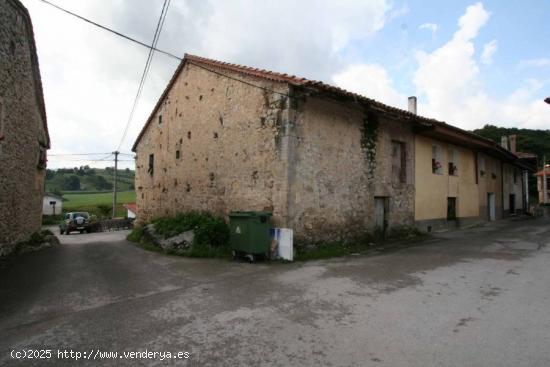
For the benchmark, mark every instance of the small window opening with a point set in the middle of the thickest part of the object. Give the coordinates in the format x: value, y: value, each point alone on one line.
x: 189, y: 135
x: 151, y: 168
x: 177, y: 154
x: 160, y: 119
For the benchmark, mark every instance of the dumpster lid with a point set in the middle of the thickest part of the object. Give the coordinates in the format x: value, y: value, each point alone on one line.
x: 250, y: 214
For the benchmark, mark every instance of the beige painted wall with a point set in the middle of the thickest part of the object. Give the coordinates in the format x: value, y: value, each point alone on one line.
x: 489, y: 182
x: 511, y: 187
x: 432, y: 190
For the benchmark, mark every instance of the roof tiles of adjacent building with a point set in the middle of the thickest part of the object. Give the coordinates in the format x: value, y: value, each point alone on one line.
x: 319, y: 87
x: 541, y: 173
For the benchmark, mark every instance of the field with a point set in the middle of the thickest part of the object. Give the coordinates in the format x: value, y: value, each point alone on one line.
x: 89, y: 202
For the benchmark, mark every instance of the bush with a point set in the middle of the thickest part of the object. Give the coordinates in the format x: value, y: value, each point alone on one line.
x: 209, y: 229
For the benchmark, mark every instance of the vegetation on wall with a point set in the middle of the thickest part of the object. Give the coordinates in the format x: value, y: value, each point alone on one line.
x: 369, y: 136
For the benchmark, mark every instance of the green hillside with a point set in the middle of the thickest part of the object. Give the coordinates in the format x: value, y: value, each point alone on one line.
x: 528, y: 140
x: 87, y: 179
x: 99, y: 204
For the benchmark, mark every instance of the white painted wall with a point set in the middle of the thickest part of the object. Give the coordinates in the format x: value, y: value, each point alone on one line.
x: 47, y: 208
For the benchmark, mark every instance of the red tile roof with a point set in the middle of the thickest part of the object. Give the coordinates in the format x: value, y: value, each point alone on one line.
x: 540, y: 173
x: 131, y: 207
x: 315, y: 86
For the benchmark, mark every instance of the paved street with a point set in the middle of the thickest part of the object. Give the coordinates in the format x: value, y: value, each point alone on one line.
x: 472, y: 298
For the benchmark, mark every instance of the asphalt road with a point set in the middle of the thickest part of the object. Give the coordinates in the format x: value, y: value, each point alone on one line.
x: 470, y: 298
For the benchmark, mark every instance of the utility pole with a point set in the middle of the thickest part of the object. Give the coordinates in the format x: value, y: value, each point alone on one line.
x: 114, y: 182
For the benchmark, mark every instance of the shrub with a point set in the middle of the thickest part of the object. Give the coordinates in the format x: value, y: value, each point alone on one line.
x: 209, y: 229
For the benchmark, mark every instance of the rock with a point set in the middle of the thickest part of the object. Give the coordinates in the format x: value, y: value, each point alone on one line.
x: 51, y: 239
x: 179, y: 242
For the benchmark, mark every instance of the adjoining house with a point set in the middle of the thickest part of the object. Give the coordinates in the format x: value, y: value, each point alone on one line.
x: 543, y: 188
x: 463, y: 178
x: 52, y: 204
x: 24, y: 137
x: 330, y: 164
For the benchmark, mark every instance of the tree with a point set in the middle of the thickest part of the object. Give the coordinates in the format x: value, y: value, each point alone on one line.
x: 71, y: 183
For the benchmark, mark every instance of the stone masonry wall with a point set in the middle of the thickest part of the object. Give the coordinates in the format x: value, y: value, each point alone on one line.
x: 230, y: 138
x: 331, y: 195
x: 21, y: 124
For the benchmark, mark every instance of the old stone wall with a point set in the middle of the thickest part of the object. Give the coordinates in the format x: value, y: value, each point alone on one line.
x: 332, y: 187
x: 22, y: 128
x: 218, y: 145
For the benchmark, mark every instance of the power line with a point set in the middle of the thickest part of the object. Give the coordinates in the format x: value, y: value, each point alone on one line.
x: 156, y: 37
x: 71, y: 154
x: 110, y: 30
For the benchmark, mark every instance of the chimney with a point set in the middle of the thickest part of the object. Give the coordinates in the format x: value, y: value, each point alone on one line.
x: 504, y: 142
x: 412, y: 104
x: 512, y: 139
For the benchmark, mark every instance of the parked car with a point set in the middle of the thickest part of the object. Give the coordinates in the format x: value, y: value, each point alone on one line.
x: 77, y: 221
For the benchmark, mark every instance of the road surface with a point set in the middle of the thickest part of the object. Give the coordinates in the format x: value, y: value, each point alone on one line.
x: 467, y: 298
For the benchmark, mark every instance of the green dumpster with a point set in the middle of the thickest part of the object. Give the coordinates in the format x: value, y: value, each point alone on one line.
x: 250, y: 233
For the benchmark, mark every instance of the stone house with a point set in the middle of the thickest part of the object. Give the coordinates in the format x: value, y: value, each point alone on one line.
x: 24, y: 135
x: 330, y: 164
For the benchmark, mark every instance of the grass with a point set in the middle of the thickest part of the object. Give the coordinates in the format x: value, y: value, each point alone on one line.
x: 89, y: 201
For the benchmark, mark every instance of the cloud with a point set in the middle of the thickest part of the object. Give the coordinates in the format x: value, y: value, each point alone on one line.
x: 448, y: 83
x: 540, y: 62
x: 430, y: 26
x: 370, y: 80
x: 449, y: 86
x: 489, y: 50
x: 90, y: 77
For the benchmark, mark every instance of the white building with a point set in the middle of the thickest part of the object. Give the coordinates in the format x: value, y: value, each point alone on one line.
x: 132, y: 210
x: 52, y: 204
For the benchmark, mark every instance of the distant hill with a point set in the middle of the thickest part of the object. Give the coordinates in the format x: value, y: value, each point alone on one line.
x: 88, y: 179
x: 528, y: 140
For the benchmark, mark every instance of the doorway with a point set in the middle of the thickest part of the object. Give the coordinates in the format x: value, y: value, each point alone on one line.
x: 512, y: 204
x: 451, y: 208
x: 381, y: 208
x: 491, y: 212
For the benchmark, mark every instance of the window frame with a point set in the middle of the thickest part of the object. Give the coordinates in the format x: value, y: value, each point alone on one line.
x: 437, y: 153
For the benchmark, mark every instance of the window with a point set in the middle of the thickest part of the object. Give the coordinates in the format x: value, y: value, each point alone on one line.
x: 481, y: 165
x: 515, y: 176
x: 160, y: 119
x: 451, y: 208
x: 177, y: 154
x: 453, y: 162
x: 399, y: 162
x: 437, y: 166
x: 151, y: 164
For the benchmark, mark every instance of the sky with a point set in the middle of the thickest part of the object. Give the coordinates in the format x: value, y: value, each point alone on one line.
x: 469, y: 63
